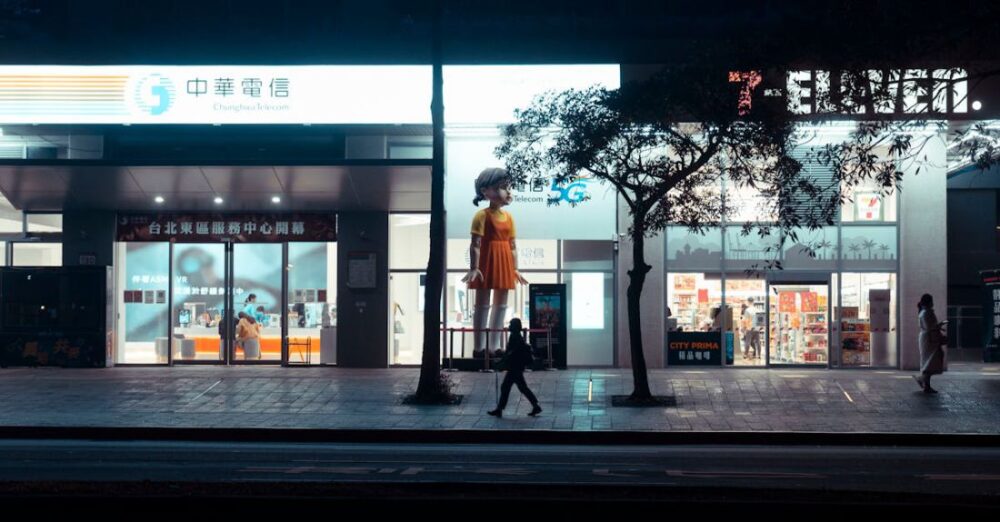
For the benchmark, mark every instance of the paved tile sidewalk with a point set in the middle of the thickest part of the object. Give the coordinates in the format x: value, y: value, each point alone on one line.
x: 774, y: 400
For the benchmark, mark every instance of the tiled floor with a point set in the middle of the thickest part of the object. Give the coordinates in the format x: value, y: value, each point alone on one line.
x: 576, y: 399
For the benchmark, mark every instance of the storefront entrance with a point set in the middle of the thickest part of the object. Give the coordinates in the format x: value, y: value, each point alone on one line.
x: 741, y: 321
x: 799, y: 323
x: 226, y: 302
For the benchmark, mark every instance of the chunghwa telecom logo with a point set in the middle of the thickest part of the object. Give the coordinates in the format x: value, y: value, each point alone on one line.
x: 154, y: 94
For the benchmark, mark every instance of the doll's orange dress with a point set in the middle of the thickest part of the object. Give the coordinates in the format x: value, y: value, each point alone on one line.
x: 496, y: 261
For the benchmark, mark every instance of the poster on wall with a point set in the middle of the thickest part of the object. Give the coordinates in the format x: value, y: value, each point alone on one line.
x: 786, y: 302
x: 869, y: 207
x: 361, y: 270
x: 809, y: 302
x: 991, y: 315
x: 547, y: 309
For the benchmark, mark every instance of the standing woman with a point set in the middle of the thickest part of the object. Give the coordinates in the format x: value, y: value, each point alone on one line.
x: 931, y: 340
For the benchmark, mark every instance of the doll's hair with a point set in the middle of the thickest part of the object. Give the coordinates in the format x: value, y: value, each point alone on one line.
x: 489, y: 178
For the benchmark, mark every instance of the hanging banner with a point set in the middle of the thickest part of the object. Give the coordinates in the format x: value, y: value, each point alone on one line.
x: 213, y: 228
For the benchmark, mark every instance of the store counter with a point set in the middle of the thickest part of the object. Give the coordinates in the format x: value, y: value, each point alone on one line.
x: 203, y: 342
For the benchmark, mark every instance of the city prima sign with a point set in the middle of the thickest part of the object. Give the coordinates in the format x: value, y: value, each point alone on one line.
x: 875, y: 91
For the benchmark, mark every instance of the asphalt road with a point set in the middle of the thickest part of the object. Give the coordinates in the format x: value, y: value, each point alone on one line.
x: 792, y: 473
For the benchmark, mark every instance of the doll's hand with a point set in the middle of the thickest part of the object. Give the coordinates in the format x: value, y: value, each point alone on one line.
x: 472, y: 276
x: 520, y: 278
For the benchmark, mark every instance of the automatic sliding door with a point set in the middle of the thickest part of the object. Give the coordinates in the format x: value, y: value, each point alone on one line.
x: 799, y: 323
x: 257, y: 294
x: 198, y: 271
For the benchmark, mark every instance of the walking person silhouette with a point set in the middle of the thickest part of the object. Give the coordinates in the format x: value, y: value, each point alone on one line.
x: 517, y: 357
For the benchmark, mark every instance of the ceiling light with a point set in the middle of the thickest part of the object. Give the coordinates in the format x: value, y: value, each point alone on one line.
x: 275, y: 199
x: 976, y: 105
x: 218, y: 200
x: 158, y: 199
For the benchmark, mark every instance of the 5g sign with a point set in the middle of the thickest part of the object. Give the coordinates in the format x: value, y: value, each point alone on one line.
x: 575, y: 192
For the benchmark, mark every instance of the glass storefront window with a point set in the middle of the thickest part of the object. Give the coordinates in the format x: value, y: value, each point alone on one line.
x: 532, y: 254
x: 751, y: 250
x: 312, y: 303
x: 823, y: 242
x: 37, y: 254
x: 406, y: 317
x: 45, y: 222
x: 409, y: 241
x: 868, y: 320
x: 11, y: 219
x: 458, y: 254
x: 865, y: 204
x: 693, y: 301
x: 143, y: 315
x: 199, y: 283
x: 588, y: 255
x: 591, y: 331
x: 537, y: 254
x: 747, y: 204
x: 687, y: 249
x: 869, y: 248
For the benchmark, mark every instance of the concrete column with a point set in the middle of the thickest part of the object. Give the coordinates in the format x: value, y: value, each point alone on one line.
x: 653, y: 297
x: 363, y: 314
x: 923, y: 244
x: 89, y: 233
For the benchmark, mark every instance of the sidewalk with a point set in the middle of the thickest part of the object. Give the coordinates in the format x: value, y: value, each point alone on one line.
x: 715, y: 400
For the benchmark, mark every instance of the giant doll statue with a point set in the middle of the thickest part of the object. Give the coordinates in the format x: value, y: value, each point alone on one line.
x: 493, y: 255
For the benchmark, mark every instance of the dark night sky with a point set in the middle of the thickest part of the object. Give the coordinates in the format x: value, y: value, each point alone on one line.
x: 511, y: 31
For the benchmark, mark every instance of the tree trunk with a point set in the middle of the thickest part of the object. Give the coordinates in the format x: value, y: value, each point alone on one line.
x: 637, y: 277
x: 430, y: 387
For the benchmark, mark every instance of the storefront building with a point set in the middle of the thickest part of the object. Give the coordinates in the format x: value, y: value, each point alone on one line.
x: 203, y: 185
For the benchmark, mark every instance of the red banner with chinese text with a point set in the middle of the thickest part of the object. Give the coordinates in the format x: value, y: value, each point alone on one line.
x: 217, y: 227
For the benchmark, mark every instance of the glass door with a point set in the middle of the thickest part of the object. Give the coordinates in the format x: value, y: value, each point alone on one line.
x: 256, y: 299
x: 312, y: 303
x: 799, y: 323
x: 197, y: 311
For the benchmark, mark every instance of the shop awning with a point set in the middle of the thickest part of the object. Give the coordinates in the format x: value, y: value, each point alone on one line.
x: 244, y: 188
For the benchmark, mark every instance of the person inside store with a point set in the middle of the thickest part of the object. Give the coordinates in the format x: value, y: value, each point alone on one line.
x: 222, y: 331
x: 706, y: 326
x: 248, y: 336
x: 250, y: 305
x: 932, y: 342
x: 751, y: 337
x: 261, y: 316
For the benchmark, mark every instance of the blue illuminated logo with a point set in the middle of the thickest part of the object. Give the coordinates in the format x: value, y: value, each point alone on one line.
x: 575, y: 192
x: 154, y: 94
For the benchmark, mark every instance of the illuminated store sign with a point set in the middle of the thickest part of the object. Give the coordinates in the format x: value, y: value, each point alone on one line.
x: 895, y: 91
x: 321, y: 94
x: 244, y: 228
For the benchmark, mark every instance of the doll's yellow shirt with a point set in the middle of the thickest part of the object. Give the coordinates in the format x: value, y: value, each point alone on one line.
x: 479, y: 222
